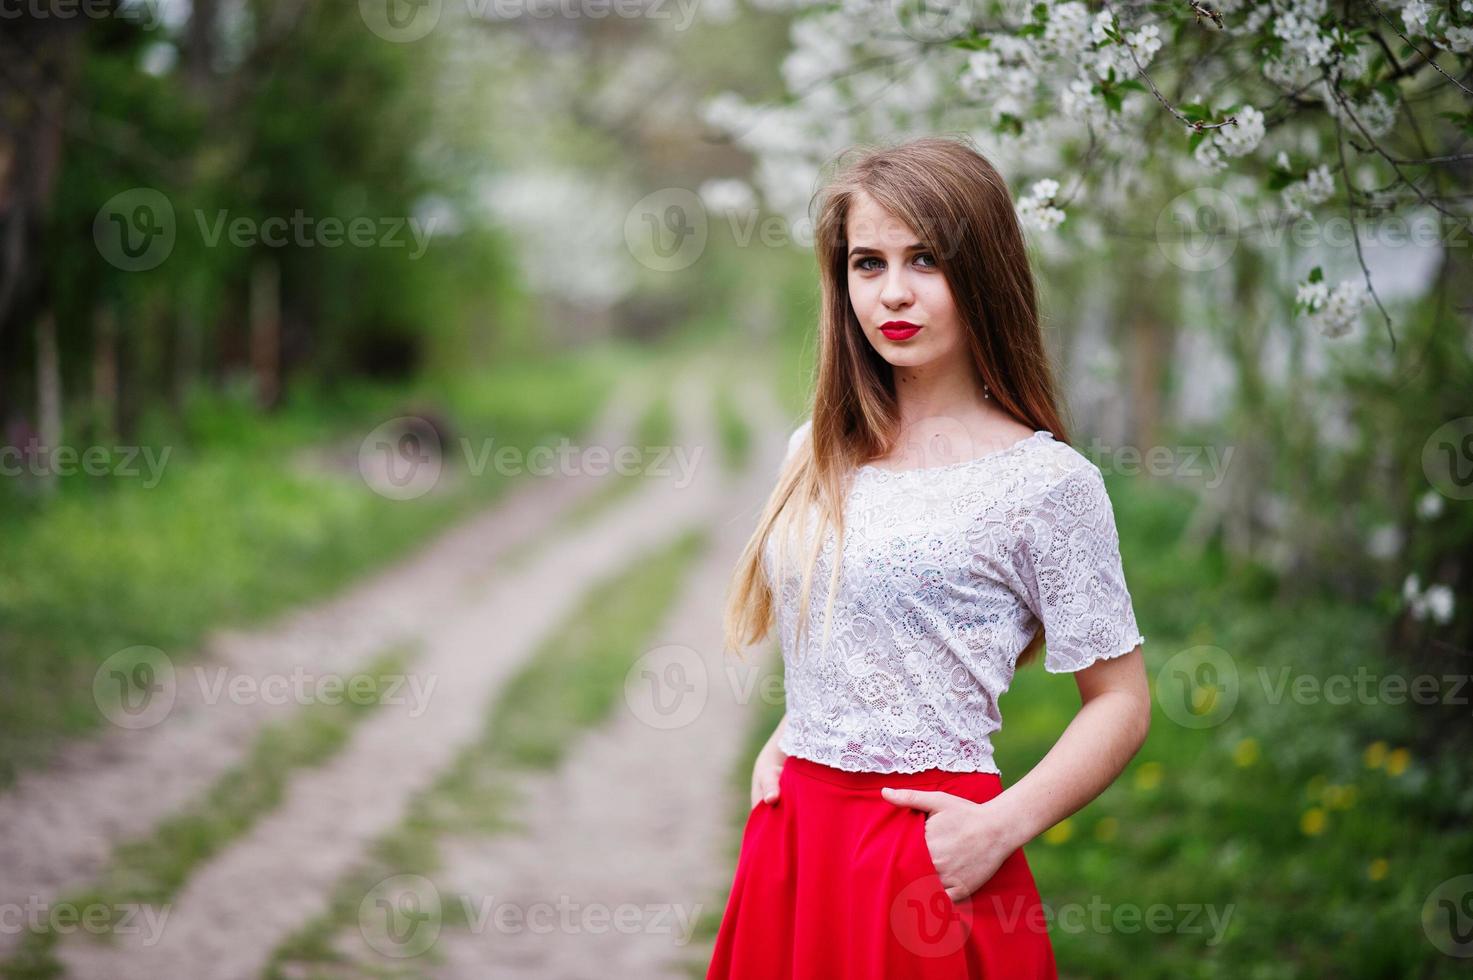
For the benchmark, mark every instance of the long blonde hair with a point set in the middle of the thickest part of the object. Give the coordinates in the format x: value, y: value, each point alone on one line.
x: 957, y: 203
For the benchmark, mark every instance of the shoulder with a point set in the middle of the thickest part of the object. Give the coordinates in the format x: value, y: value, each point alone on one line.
x: 1058, y: 474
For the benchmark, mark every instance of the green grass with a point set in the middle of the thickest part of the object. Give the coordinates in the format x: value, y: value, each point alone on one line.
x: 736, y: 434
x: 572, y: 682
x: 151, y: 870
x: 241, y: 526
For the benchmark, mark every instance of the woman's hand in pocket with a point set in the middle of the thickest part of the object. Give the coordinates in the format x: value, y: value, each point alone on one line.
x: 968, y: 841
x: 766, y: 773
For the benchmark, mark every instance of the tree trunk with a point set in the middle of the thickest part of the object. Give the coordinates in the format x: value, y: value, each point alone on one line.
x: 266, y: 330
x: 105, y: 372
x: 48, y: 397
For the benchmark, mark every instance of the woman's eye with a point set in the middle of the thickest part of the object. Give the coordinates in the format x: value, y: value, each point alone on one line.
x: 930, y: 259
x: 860, y: 265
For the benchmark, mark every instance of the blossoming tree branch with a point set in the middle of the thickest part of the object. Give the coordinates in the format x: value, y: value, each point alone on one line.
x: 1290, y: 110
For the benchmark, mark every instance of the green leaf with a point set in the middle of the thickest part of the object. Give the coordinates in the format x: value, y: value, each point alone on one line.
x: 975, y: 41
x: 1316, y: 274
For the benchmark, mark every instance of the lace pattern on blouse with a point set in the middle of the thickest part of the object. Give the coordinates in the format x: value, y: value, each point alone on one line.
x: 946, y: 574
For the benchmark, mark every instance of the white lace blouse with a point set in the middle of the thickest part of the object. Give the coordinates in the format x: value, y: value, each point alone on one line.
x: 947, y: 572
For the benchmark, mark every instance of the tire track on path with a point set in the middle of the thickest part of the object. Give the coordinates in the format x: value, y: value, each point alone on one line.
x: 638, y: 816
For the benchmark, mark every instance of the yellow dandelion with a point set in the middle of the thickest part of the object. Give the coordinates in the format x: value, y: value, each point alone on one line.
x: 1375, y: 755
x: 1059, y: 832
x: 1204, y: 698
x: 1245, y: 753
x: 1378, y: 869
x: 1106, y: 828
x: 1148, y: 776
x: 1313, y: 821
x: 1396, y: 762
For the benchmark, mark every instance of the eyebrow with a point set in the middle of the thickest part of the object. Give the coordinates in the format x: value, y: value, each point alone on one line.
x: 867, y: 250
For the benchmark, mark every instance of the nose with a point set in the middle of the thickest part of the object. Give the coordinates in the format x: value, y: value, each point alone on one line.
x: 896, y: 293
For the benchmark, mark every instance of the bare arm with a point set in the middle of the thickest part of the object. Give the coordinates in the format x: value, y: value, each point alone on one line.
x: 1103, y: 736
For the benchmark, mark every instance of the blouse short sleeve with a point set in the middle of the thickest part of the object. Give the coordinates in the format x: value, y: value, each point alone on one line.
x: 1071, y: 575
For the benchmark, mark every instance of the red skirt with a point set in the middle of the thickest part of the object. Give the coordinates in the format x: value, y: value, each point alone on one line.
x: 834, y: 882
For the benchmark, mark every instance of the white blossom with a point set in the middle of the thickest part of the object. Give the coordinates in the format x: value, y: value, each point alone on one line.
x: 1317, y: 188
x: 1080, y: 101
x: 1459, y: 39
x: 1334, y: 312
x: 1313, y: 294
x: 1415, y: 16
x: 1411, y: 588
x: 1037, y: 209
x: 1385, y: 541
x: 727, y: 194
x: 1438, y: 600
x: 1429, y: 505
x: 1067, y: 31
x: 1242, y: 137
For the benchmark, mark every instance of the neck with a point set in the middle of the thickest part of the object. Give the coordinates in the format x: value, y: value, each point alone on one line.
x: 949, y: 389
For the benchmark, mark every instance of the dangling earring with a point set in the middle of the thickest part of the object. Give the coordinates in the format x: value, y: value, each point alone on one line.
x: 986, y: 390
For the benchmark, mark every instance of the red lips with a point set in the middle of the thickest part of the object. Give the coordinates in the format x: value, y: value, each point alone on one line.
x: 899, y: 329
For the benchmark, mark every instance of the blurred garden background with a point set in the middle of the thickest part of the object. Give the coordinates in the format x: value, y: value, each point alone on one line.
x: 292, y: 294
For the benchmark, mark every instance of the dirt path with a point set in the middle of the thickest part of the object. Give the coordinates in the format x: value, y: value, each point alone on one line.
x: 240, y: 905
x: 636, y: 819
x: 60, y: 824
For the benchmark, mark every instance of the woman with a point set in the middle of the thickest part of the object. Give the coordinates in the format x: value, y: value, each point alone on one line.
x: 881, y: 843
